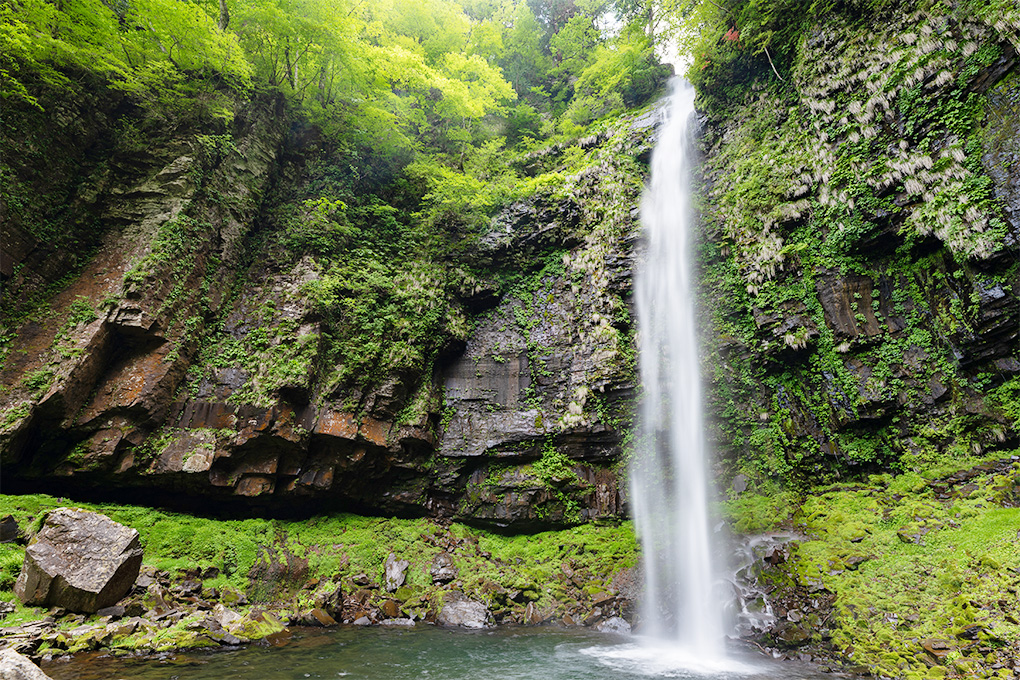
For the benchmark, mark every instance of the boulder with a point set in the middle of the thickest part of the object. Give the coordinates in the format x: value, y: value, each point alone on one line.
x: 442, y: 569
x: 613, y: 624
x: 331, y: 601
x: 318, y: 617
x: 79, y: 560
x: 9, y: 530
x: 14, y: 666
x: 395, y: 572
x: 460, y: 611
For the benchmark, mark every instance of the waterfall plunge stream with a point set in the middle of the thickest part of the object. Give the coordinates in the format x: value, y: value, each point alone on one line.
x: 669, y: 484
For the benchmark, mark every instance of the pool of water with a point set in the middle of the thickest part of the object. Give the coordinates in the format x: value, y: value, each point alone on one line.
x: 429, y: 653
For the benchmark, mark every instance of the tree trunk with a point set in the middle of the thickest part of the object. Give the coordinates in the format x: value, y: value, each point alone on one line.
x: 224, y: 15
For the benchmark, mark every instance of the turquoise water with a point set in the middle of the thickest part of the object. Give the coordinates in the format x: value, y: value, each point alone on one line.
x: 429, y: 653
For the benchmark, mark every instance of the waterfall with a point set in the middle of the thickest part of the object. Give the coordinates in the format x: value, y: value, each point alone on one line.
x: 669, y: 485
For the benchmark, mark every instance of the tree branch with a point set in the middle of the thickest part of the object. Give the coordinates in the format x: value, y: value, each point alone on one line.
x: 773, y: 65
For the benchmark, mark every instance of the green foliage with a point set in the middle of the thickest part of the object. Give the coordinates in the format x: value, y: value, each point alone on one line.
x: 11, y: 559
x: 81, y: 311
x: 383, y: 319
x: 751, y: 513
x: 38, y: 382
x: 554, y: 467
x: 320, y: 227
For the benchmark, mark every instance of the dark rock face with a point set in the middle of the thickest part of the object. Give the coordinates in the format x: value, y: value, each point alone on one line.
x: 207, y: 376
x: 81, y: 561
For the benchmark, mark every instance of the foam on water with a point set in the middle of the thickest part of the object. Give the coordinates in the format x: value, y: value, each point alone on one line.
x: 659, y: 659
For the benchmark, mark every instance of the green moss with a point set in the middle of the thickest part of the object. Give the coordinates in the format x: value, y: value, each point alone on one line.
x: 342, y: 546
x: 755, y: 512
x: 949, y: 575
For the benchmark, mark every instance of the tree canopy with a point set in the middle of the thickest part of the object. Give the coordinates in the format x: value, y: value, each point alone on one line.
x: 426, y: 75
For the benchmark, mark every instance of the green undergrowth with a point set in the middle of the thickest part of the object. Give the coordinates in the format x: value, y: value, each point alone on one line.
x: 910, y: 561
x: 342, y: 547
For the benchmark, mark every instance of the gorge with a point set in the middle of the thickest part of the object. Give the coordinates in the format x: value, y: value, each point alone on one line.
x: 286, y: 318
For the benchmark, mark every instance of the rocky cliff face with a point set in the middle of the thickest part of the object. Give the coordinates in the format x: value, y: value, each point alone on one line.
x: 861, y: 259
x: 197, y: 360
x: 861, y: 300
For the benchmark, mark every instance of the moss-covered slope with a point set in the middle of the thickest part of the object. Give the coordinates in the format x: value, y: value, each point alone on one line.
x: 861, y: 254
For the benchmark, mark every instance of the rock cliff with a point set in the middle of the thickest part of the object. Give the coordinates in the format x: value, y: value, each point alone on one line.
x: 186, y: 319
x: 860, y: 260
x: 199, y: 358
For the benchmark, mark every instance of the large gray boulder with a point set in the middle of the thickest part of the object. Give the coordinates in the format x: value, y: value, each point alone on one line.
x: 14, y: 666
x: 81, y: 561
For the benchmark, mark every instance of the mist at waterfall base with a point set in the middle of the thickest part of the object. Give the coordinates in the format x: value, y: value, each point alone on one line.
x: 682, y: 608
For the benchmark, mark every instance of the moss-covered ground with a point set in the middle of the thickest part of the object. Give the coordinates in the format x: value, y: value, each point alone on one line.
x: 924, y: 568
x: 278, y: 564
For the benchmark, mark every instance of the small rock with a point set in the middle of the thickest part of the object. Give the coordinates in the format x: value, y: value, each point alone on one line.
x: 740, y: 483
x: 442, y: 569
x: 223, y: 637
x: 363, y: 581
x: 776, y: 555
x: 854, y: 561
x: 460, y: 611
x: 790, y: 634
x: 332, y: 602
x: 134, y: 609
x: 14, y: 666
x: 114, y: 612
x: 224, y: 616
x: 362, y: 621
x: 972, y: 631
x: 937, y: 648
x: 9, y: 530
x: 397, y: 622
x: 395, y: 572
x: 391, y: 608
x: 318, y: 617
x: 614, y: 624
x: 231, y: 597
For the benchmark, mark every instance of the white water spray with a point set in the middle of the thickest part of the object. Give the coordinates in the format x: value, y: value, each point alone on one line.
x: 669, y: 486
